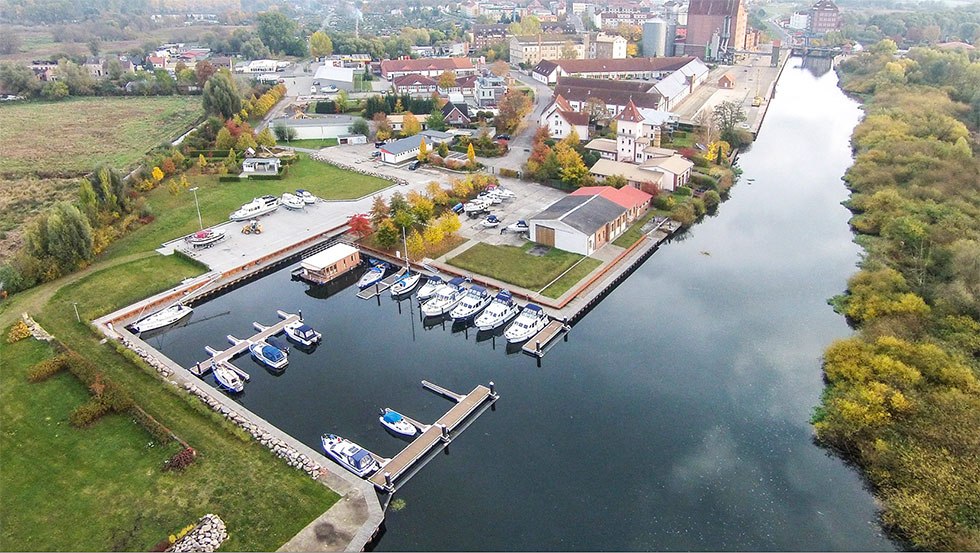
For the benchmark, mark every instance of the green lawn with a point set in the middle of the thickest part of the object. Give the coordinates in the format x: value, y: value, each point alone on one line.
x: 571, y: 278
x: 78, y: 134
x: 513, y: 265
x: 101, y: 488
x: 176, y: 215
x: 310, y: 143
x: 633, y: 233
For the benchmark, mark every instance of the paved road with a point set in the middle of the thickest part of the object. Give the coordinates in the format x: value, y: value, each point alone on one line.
x: 520, y: 143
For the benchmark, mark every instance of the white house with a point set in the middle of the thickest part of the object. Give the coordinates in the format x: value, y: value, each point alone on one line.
x: 405, y: 149
x: 561, y: 120
x: 327, y: 126
x: 579, y: 224
x: 261, y: 165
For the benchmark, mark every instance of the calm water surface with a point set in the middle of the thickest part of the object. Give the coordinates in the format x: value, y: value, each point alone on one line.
x: 676, y: 417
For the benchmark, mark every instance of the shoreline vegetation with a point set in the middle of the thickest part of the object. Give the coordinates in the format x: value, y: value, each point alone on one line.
x: 902, y: 396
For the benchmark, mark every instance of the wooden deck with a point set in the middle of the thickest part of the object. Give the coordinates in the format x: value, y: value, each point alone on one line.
x: 378, y: 288
x: 538, y: 345
x: 224, y: 357
x: 385, y: 478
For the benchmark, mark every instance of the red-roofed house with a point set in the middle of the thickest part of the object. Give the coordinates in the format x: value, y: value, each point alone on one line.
x: 561, y: 120
x: 430, y: 67
x: 414, y: 84
x: 633, y: 199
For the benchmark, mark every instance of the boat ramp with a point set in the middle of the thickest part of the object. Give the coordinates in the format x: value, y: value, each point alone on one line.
x: 224, y: 357
x: 396, y: 471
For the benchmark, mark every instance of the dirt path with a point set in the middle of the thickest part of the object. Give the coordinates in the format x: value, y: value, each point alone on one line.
x: 36, y: 298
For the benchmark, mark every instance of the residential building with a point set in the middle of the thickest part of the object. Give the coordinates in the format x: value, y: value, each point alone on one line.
x: 486, y: 35
x: 638, y: 129
x: 397, y: 120
x: 261, y: 165
x: 824, y: 17
x: 465, y: 86
x: 715, y: 27
x: 489, y: 90
x: 633, y: 199
x: 429, y: 67
x: 614, y: 94
x: 414, y: 84
x: 799, y: 21
x: 579, y: 223
x: 613, y: 14
x: 603, y: 46
x: 661, y: 173
x: 456, y: 114
x: 405, y: 149
x: 529, y: 50
x: 549, y: 72
x: 561, y: 120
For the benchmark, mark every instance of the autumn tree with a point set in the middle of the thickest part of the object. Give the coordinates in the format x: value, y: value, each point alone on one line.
x: 379, y: 210
x: 422, y: 206
x: 382, y: 127
x: 202, y: 162
x: 320, y: 45
x: 447, y: 80
x: 568, y: 51
x: 415, y: 245
x: 471, y: 155
x: 727, y: 116
x: 203, y: 71
x: 436, y: 120
x: 437, y: 193
x: 386, y: 235
x: 573, y: 170
x: 512, y: 108
x: 423, y: 154
x: 266, y: 138
x: 360, y: 225
x: 500, y: 68
x: 410, y: 124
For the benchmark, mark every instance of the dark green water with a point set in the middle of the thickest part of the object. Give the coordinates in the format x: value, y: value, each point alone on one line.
x: 675, y: 418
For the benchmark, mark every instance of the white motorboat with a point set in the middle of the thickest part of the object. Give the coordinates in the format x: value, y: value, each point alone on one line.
x: 162, y: 318
x: 205, y: 238
x: 268, y: 355
x: 255, y: 208
x: 473, y: 302
x: 476, y: 206
x: 394, y: 421
x: 405, y: 284
x: 349, y: 455
x: 503, y: 193
x: 519, y: 226
x: 306, y: 196
x: 290, y: 201
x: 429, y: 288
x: 531, y: 320
x: 491, y: 197
x: 490, y: 221
x: 500, y: 310
x: 374, y: 274
x: 445, y: 298
x: 228, y: 379
x: 302, y: 333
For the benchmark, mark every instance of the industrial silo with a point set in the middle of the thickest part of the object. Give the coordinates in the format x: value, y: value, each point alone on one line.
x: 655, y: 38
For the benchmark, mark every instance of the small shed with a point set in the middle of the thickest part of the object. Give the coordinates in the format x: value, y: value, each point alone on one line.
x: 261, y: 165
x: 351, y: 139
x: 328, y: 264
x: 727, y: 80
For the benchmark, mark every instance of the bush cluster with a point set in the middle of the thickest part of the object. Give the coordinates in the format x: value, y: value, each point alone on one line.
x: 181, y: 460
x: 87, y: 413
x: 18, y: 332
x: 47, y: 368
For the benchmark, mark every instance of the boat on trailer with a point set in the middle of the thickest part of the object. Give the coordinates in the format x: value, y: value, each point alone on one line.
x: 205, y: 238
x: 162, y: 318
x: 349, y: 455
x: 255, y: 208
x: 501, y: 309
x: 291, y: 201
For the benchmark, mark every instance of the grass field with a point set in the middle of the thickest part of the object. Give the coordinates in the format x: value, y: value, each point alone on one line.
x: 101, y: 488
x: 78, y: 134
x: 177, y: 215
x: 310, y: 143
x: 633, y: 233
x: 515, y: 266
x: 571, y: 278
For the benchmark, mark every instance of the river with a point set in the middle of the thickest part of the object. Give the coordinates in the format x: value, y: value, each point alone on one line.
x: 676, y: 417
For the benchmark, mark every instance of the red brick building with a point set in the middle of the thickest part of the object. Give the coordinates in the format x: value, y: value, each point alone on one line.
x: 714, y: 26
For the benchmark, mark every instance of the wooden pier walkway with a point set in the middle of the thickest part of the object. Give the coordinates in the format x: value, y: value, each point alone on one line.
x: 377, y: 288
x: 539, y: 344
x: 392, y: 469
x: 224, y: 357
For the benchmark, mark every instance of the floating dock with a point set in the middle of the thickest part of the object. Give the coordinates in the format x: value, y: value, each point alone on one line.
x: 544, y: 340
x: 393, y: 471
x: 377, y: 288
x: 224, y: 357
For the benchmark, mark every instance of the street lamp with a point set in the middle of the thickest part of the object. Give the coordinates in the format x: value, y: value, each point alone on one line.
x: 199, y: 221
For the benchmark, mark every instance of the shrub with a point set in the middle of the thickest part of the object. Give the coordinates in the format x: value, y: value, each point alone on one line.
x: 504, y: 172
x: 87, y: 413
x: 264, y: 177
x: 159, y: 432
x: 47, y: 368
x: 114, y: 396
x: 683, y: 191
x: 699, y: 207
x: 664, y: 201
x: 683, y: 214
x: 711, y: 200
x: 82, y: 368
x: 229, y: 178
x: 181, y: 460
x: 18, y: 332
x: 700, y: 161
x: 704, y: 181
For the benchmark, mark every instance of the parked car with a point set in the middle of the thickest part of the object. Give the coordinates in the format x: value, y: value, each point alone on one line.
x: 414, y: 165
x: 458, y: 208
x: 376, y: 153
x: 503, y: 136
x: 379, y: 143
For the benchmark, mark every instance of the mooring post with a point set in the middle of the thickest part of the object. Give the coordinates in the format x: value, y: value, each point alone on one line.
x: 445, y: 432
x: 388, y: 483
x: 537, y: 347
x: 301, y: 315
x: 564, y: 322
x: 377, y: 292
x: 493, y: 389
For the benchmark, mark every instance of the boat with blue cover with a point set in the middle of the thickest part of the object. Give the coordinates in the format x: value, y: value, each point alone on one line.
x: 476, y: 298
x: 373, y: 275
x: 269, y: 355
x: 349, y: 455
x: 429, y: 288
x: 302, y: 333
x: 445, y: 298
x: 394, y: 421
x: 531, y: 320
x: 501, y: 309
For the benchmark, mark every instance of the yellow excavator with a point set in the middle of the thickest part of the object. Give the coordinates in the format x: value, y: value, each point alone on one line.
x: 252, y: 227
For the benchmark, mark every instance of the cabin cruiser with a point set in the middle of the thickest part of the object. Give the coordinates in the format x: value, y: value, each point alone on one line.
x: 519, y: 226
x: 349, y: 455
x: 205, y: 238
x: 291, y: 201
x: 478, y: 205
x: 269, y: 355
x: 394, y: 421
x: 490, y: 221
x: 501, y: 309
x: 531, y: 320
x: 405, y: 284
x: 302, y: 333
x: 373, y: 275
x: 306, y: 196
x: 429, y: 288
x: 503, y: 192
x: 445, y: 299
x: 473, y: 302
x: 162, y: 318
x: 255, y: 208
x: 228, y: 379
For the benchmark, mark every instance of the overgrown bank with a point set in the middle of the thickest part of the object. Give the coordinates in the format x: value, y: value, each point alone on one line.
x: 903, y: 395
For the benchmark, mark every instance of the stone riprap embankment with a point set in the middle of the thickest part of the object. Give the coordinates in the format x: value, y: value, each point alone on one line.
x: 361, y: 170
x: 208, y: 535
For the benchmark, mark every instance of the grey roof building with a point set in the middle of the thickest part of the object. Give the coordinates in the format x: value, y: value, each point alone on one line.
x: 578, y: 224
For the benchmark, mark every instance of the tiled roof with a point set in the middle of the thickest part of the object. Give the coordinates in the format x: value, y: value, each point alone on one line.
x: 626, y: 196
x: 629, y: 113
x: 627, y: 65
x: 413, y: 79
x: 638, y: 87
x: 426, y: 64
x: 633, y: 173
x: 586, y: 214
x: 674, y: 164
x: 574, y: 117
x: 609, y: 96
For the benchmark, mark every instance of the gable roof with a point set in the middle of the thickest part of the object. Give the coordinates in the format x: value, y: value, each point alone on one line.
x: 627, y: 65
x: 629, y: 113
x: 426, y: 64
x: 450, y: 107
x: 675, y: 164
x: 633, y: 173
x: 413, y: 79
x: 639, y: 87
x: 574, y: 118
x: 413, y: 142
x: 626, y: 196
x: 468, y: 81
x: 545, y: 67
x: 610, y: 97
x: 586, y: 214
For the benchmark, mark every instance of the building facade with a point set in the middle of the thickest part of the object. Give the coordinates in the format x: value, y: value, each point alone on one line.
x: 824, y: 17
x: 715, y: 26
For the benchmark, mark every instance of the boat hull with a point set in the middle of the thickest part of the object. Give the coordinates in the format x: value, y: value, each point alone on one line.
x: 402, y: 427
x: 229, y: 382
x: 242, y: 215
x: 496, y: 321
x: 256, y: 351
x: 406, y: 285
x: 333, y: 446
x: 165, y: 317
